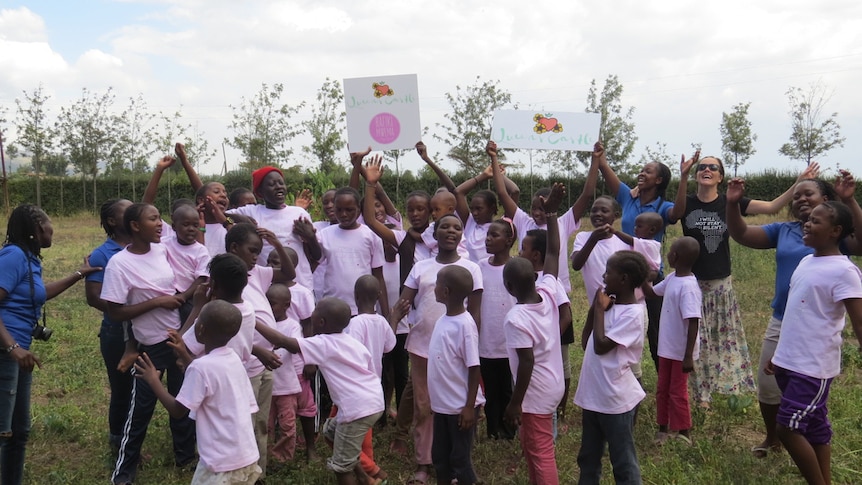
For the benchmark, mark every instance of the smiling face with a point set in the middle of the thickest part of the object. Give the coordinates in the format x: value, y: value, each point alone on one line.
x: 272, y: 190
x: 649, y: 176
x: 820, y: 231
x: 379, y: 212
x: 710, y: 171
x: 346, y: 211
x: 217, y: 192
x: 448, y: 233
x: 806, y: 197
x: 602, y: 212
x: 537, y: 212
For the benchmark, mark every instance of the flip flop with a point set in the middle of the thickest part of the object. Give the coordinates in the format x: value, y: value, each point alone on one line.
x: 419, y: 478
x: 763, y: 451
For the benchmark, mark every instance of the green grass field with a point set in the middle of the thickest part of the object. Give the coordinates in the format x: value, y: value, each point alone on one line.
x: 68, y: 443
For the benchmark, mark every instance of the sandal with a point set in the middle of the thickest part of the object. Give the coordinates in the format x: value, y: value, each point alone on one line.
x: 760, y: 451
x: 420, y: 477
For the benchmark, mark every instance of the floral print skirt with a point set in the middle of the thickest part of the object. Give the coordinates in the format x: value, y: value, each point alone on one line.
x: 724, y: 365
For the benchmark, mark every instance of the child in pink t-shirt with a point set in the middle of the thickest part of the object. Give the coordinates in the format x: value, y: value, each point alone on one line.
x: 608, y: 392
x: 677, y: 339
x: 285, y: 383
x: 188, y: 257
x: 346, y: 365
x: 532, y: 332
x: 216, y: 393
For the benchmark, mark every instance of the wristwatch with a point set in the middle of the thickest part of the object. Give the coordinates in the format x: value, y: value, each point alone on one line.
x: 227, y: 222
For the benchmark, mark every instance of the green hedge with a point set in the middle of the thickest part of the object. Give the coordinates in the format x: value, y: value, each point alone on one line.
x: 69, y: 195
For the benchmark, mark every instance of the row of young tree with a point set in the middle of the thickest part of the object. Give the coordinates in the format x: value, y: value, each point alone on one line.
x: 92, y: 138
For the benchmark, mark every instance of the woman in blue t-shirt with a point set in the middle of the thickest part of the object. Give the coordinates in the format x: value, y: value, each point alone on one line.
x: 786, y: 239
x: 647, y: 196
x: 22, y: 295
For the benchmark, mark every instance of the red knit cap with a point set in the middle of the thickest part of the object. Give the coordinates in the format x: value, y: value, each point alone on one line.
x: 258, y: 175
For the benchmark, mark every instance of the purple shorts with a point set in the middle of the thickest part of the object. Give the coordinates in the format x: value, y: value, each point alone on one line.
x: 803, y: 405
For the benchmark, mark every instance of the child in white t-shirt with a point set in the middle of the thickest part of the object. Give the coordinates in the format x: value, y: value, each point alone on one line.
x: 374, y: 332
x: 301, y: 298
x: 824, y: 287
x: 677, y: 339
x: 419, y: 291
x: 351, y: 250
x: 496, y: 302
x: 246, y: 241
x: 532, y: 332
x: 355, y: 389
x: 608, y: 392
x: 285, y: 383
x: 453, y: 379
x: 291, y: 225
x: 216, y: 393
x: 188, y: 257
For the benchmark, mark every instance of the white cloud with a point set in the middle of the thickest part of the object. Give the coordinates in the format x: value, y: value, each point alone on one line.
x: 21, y: 25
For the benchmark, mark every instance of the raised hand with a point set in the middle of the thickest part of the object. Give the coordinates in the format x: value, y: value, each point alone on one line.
x: 357, y: 157
x: 603, y: 301
x: 810, y: 172
x: 374, y: 169
x: 598, y: 154
x: 491, y: 149
x: 554, y: 199
x: 845, y: 185
x: 735, y: 190
x: 165, y: 163
x: 180, y: 150
x: 303, y: 199
x: 303, y: 229
x: 685, y: 165
x: 422, y: 150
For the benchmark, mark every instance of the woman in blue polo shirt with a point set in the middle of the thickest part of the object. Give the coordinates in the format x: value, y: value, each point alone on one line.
x: 22, y: 294
x: 647, y: 196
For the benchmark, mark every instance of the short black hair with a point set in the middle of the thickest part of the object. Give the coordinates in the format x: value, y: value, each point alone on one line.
x: 540, y: 241
x: 630, y: 263
x: 230, y: 273
x: 239, y: 233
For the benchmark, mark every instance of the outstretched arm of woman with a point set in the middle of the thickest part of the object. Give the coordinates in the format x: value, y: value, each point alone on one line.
x: 776, y: 204
x: 751, y: 236
x: 678, y: 210
x: 612, y: 182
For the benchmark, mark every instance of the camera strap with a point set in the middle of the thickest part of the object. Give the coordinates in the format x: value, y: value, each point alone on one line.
x: 33, y: 295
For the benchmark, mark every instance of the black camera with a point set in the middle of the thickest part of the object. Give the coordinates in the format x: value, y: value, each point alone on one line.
x: 41, y: 332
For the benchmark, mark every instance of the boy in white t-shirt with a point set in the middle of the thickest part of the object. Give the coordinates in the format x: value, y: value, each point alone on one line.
x: 824, y: 287
x: 678, y: 339
x: 532, y: 329
x: 188, y: 257
x: 354, y: 387
x: 453, y: 379
x: 374, y: 332
x: 301, y: 298
x: 217, y: 394
x: 608, y: 392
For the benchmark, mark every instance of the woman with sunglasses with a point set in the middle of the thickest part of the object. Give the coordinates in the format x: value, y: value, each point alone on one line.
x: 724, y: 366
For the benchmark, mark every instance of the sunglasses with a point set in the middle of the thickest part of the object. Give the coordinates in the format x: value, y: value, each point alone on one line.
x: 713, y: 167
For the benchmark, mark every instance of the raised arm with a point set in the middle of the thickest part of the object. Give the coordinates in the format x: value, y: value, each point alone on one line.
x: 287, y: 272
x: 510, y: 206
x: 612, y: 182
x: 582, y: 204
x: 357, y: 172
x: 194, y: 179
x: 751, y: 236
x: 444, y: 178
x: 778, y: 203
x: 678, y: 210
x: 153, y: 185
x: 461, y: 206
x: 550, y: 206
x: 845, y: 186
x: 373, y: 172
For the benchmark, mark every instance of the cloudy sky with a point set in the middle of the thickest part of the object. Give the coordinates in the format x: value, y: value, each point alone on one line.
x: 681, y: 63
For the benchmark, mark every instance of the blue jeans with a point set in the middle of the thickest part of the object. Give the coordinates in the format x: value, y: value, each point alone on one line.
x: 616, y: 431
x: 143, y: 404
x: 14, y: 419
x: 112, y: 344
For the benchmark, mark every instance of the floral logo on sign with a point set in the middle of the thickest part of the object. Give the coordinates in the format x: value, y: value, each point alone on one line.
x: 545, y: 124
x: 382, y: 89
